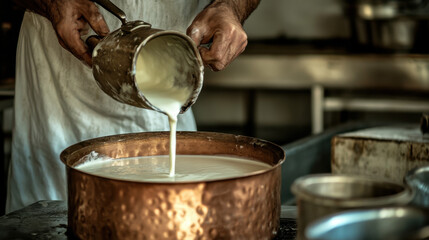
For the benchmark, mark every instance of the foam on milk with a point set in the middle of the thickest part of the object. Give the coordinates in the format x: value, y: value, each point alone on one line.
x: 161, y: 67
x: 189, y: 168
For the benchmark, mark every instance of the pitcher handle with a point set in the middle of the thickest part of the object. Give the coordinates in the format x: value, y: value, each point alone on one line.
x: 113, y: 9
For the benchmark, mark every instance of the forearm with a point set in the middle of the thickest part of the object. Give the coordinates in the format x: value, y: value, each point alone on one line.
x: 70, y: 19
x: 37, y: 6
x: 241, y: 8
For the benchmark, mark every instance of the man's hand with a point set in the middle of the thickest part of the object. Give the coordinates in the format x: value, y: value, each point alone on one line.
x: 70, y: 19
x: 220, y: 24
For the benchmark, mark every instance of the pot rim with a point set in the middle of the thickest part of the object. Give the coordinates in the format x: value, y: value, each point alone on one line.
x: 299, y: 188
x: 66, y: 153
x: 415, y: 172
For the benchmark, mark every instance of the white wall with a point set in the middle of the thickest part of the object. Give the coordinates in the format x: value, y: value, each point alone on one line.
x: 297, y: 19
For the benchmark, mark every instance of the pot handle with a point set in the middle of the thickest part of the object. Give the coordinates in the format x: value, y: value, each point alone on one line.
x: 92, y: 41
x: 113, y: 9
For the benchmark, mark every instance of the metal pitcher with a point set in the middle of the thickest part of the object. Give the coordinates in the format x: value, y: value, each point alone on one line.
x: 115, y: 56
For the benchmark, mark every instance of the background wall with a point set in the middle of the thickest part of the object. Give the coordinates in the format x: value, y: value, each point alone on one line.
x: 304, y: 19
x: 285, y: 28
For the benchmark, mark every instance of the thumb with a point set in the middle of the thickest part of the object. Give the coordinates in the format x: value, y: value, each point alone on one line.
x: 195, y: 34
x: 95, y: 19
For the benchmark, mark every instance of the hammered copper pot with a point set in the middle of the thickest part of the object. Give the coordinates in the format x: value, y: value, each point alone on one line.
x: 246, y: 207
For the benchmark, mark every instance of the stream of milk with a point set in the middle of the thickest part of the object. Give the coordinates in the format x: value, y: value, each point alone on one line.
x: 161, y: 67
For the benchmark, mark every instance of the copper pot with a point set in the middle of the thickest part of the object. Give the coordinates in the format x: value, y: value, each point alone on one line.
x: 246, y: 207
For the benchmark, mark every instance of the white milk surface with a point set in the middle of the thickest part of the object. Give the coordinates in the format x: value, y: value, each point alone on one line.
x: 189, y: 168
x: 162, y: 68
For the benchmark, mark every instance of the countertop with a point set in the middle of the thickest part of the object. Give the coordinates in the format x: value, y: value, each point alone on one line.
x: 294, y: 67
x: 41, y: 220
x: 48, y: 220
x: 403, y: 72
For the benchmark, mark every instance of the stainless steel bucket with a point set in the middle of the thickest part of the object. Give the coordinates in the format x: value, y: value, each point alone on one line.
x: 320, y: 195
x: 246, y: 207
x: 394, y: 223
x: 115, y: 56
x: 418, y: 180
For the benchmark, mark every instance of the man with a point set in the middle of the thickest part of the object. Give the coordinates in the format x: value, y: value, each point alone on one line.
x: 57, y: 102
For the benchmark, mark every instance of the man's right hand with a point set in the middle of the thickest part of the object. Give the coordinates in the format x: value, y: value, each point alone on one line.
x: 70, y: 19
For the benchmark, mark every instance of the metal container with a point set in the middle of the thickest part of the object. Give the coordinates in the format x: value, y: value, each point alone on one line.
x: 398, y: 35
x: 389, y: 25
x: 384, y: 152
x: 418, y: 180
x: 114, y: 60
x: 319, y: 195
x: 246, y: 207
x: 394, y: 223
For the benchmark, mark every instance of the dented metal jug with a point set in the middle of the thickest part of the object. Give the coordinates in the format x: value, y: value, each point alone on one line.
x: 115, y: 56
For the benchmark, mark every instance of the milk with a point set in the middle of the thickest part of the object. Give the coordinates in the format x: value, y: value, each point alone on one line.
x: 162, y: 67
x: 189, y: 168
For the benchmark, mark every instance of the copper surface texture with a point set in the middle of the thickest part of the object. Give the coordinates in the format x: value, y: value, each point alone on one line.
x: 246, y: 207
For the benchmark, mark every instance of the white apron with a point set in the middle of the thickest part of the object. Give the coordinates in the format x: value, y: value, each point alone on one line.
x: 57, y: 101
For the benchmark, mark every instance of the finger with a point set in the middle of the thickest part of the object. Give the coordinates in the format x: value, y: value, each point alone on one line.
x: 199, y: 33
x: 83, y: 26
x: 227, y: 45
x: 95, y: 19
x: 63, y: 44
x: 206, y: 63
x: 240, y: 50
x: 80, y: 23
x: 218, y: 54
x: 87, y: 58
x: 72, y: 41
x: 195, y: 34
x: 84, y: 31
x: 215, y: 65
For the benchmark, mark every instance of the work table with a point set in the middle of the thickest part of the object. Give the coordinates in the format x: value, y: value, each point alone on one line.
x: 48, y: 220
x: 41, y: 220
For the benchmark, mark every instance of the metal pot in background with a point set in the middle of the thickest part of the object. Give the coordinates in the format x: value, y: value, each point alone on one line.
x: 320, y: 195
x: 393, y: 223
x: 388, y: 35
x: 389, y: 25
x: 418, y: 180
x: 389, y: 9
x: 246, y: 207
